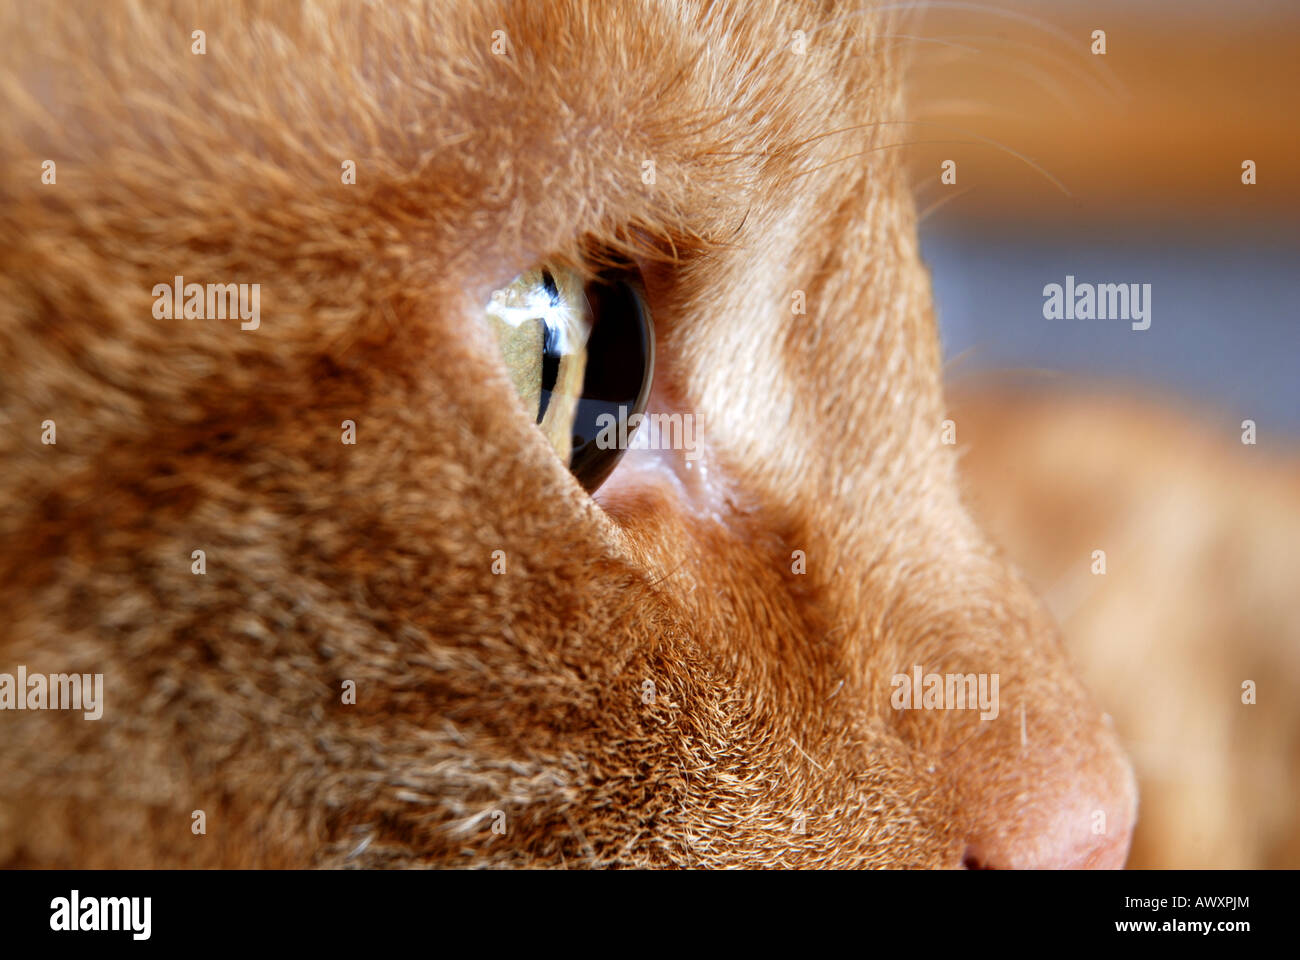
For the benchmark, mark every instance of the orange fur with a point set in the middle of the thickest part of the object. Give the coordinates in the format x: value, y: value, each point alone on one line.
x: 476, y: 693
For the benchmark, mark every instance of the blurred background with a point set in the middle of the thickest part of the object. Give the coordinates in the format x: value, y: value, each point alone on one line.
x: 1148, y: 140
x: 1079, y: 435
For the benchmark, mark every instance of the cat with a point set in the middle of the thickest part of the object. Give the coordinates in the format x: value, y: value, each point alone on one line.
x: 350, y: 605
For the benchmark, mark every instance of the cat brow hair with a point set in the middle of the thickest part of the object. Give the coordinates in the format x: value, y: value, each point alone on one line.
x: 1068, y: 57
x: 975, y: 137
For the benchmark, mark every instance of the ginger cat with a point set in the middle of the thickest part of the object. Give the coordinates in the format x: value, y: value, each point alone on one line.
x: 425, y: 642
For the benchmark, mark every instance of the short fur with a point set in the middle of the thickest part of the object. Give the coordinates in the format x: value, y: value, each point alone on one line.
x: 770, y: 739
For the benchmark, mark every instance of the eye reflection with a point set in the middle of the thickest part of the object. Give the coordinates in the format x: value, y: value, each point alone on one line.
x: 575, y: 350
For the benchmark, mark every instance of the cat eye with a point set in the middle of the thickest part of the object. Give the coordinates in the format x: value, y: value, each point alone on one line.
x: 580, y: 352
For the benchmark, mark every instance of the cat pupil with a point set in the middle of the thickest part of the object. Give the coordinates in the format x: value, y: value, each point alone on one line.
x: 578, y: 352
x: 550, y: 369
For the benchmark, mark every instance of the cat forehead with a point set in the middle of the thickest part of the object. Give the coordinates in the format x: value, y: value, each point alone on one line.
x: 517, y: 125
x: 672, y: 114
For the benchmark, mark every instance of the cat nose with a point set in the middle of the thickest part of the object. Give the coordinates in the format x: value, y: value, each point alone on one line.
x: 1070, y: 808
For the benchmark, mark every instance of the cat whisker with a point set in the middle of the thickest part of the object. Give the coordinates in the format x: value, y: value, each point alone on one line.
x: 948, y: 197
x: 976, y: 139
x: 940, y: 41
x: 1070, y: 42
x: 923, y: 7
x: 1058, y: 92
x: 1072, y: 72
x: 957, y: 359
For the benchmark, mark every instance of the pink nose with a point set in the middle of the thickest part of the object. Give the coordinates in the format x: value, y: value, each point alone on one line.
x: 1065, y: 806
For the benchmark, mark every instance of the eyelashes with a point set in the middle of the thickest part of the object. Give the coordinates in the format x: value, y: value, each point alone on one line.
x: 577, y: 350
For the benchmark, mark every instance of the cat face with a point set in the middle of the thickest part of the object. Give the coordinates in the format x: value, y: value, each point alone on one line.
x: 432, y: 644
